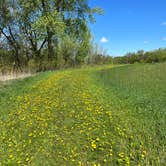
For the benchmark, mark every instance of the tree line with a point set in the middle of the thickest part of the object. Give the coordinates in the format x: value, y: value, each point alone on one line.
x: 141, y: 56
x: 47, y: 34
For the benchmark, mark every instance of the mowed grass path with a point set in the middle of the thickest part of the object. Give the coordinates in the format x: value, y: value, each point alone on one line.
x: 76, y: 117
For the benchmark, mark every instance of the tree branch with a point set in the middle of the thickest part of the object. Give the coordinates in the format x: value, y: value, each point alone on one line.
x: 42, y: 45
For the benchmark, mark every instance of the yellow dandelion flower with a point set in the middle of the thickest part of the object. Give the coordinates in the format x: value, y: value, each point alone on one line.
x: 18, y: 162
x: 93, y: 145
x: 105, y: 160
x: 30, y: 134
x: 11, y: 156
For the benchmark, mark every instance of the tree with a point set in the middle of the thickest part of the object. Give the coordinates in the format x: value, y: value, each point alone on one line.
x: 9, y: 27
x: 34, y: 30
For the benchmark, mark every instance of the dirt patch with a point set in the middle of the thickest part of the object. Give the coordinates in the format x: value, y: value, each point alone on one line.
x: 14, y: 76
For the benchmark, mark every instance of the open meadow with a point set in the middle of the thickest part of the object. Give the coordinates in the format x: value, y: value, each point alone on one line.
x: 96, y: 116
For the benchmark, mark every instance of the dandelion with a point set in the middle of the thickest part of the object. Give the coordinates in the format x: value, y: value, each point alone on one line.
x: 93, y: 144
x: 11, y: 156
x: 105, y: 160
x: 30, y: 134
x: 18, y: 162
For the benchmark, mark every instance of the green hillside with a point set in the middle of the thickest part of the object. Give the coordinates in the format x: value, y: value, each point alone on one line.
x: 110, y: 115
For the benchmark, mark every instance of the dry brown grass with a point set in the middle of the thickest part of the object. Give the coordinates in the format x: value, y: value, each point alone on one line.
x: 11, y: 76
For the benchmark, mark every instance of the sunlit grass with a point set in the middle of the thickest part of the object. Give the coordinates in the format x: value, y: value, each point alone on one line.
x: 81, y: 117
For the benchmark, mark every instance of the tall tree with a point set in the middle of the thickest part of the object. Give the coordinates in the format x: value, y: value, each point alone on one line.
x: 36, y: 26
x: 9, y: 27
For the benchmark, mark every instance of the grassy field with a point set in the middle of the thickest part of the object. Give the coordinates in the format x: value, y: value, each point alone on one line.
x: 85, y: 117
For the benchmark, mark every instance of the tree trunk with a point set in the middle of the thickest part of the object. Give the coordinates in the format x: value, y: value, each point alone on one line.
x: 50, y: 46
x: 17, y: 60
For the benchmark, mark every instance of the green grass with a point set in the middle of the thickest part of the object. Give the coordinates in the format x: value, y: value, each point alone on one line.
x: 93, y: 116
x: 139, y: 92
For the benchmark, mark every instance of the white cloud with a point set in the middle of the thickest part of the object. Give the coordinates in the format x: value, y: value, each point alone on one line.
x: 164, y: 23
x: 146, y: 42
x: 164, y: 38
x: 103, y: 40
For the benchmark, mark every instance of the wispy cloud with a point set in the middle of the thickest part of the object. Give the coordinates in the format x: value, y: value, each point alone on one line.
x: 164, y: 38
x: 103, y: 40
x: 164, y: 23
x: 146, y: 42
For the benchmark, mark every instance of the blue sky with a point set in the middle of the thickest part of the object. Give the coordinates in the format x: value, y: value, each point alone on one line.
x: 130, y: 25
